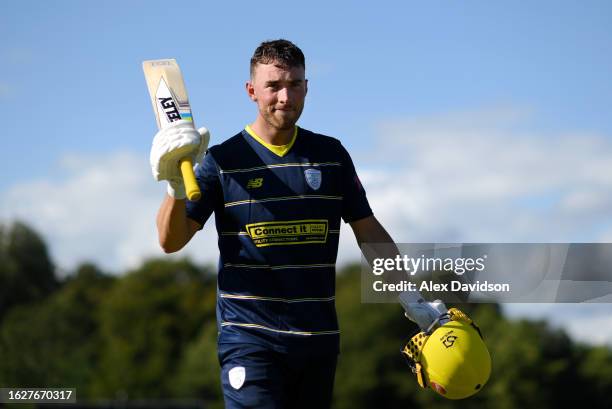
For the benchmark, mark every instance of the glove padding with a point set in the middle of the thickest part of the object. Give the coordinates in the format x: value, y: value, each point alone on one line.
x: 178, y: 141
x: 421, y: 312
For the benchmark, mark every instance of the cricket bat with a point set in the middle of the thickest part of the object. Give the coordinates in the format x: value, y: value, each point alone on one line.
x: 170, y: 103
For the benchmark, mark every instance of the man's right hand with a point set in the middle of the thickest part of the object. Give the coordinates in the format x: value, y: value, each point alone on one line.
x: 178, y: 141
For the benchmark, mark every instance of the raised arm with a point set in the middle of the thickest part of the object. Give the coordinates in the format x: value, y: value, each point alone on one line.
x: 174, y: 228
x: 170, y: 145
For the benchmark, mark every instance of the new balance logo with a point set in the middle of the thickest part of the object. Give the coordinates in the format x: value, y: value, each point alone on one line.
x: 254, y: 183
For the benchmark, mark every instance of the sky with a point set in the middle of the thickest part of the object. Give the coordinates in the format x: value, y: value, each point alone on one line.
x: 468, y: 121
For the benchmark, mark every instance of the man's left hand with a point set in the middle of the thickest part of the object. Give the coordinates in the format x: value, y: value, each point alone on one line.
x: 422, y: 312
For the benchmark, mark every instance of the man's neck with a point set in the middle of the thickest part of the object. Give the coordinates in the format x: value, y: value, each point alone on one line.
x: 271, y: 135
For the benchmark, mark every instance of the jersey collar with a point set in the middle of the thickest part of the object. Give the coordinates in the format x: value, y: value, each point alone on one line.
x: 279, y: 150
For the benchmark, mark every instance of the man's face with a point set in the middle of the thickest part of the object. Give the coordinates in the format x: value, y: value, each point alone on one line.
x: 279, y: 94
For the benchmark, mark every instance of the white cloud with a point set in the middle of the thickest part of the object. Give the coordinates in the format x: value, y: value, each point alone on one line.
x: 103, y: 210
x: 474, y: 177
x: 587, y: 323
x: 457, y: 180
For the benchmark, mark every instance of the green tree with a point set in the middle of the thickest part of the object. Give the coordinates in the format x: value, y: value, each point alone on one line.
x: 147, y: 320
x: 595, y: 369
x: 26, y: 271
x: 198, y: 375
x: 151, y: 333
x: 54, y: 342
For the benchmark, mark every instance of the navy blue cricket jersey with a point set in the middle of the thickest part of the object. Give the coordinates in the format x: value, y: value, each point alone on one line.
x: 277, y: 213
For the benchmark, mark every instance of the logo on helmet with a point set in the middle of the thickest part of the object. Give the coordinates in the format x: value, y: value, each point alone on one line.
x: 448, y: 340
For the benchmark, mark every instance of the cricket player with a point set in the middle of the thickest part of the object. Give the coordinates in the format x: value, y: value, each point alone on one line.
x: 278, y: 192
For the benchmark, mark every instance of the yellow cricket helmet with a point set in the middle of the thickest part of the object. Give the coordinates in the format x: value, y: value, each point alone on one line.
x: 452, y: 359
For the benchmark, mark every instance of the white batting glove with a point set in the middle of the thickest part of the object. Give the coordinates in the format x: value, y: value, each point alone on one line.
x: 171, y: 144
x: 421, y: 312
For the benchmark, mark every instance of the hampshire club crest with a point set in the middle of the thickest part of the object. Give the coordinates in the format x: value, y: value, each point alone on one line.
x: 313, y: 178
x: 237, y: 376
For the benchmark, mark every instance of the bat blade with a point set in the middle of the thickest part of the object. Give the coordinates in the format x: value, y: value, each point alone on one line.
x: 171, y: 103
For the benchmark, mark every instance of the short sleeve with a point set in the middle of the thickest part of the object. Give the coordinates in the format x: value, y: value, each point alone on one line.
x: 207, y: 176
x: 355, y: 204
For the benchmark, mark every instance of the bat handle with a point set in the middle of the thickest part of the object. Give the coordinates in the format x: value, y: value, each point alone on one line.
x: 191, y: 186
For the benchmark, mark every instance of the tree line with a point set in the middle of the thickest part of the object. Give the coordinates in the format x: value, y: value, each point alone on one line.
x: 150, y: 333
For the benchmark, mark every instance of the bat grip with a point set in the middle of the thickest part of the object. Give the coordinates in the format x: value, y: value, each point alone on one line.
x: 191, y: 186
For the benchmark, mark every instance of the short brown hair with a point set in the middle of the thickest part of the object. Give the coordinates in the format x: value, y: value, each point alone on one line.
x: 281, y: 52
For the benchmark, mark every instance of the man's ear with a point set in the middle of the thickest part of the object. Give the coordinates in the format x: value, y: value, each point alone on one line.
x: 306, y: 86
x: 250, y: 89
